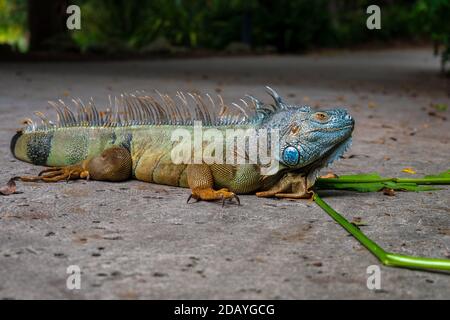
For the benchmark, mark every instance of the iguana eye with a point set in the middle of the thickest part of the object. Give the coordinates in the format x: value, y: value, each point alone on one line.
x: 320, y: 116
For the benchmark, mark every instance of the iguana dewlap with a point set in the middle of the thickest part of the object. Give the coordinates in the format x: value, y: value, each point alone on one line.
x: 136, y: 141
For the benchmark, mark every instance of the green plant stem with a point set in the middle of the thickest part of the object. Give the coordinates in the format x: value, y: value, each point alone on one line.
x: 398, y: 180
x: 387, y: 258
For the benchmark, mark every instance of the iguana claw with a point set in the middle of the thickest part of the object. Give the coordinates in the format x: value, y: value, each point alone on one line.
x: 190, y: 197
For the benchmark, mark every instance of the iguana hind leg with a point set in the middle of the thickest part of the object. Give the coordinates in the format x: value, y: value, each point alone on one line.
x: 113, y: 164
x: 59, y: 173
x: 201, y: 183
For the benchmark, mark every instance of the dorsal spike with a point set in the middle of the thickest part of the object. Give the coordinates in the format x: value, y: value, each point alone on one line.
x: 279, y: 103
x: 83, y: 112
x: 258, y: 104
x: 95, y: 114
x: 186, y: 108
x: 117, y: 118
x: 44, y: 119
x: 241, y: 109
x: 68, y: 114
x: 59, y: 113
x: 199, y: 115
x: 213, y: 109
x: 207, y: 111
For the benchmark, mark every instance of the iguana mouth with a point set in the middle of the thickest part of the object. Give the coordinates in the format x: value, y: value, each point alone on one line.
x: 330, y: 129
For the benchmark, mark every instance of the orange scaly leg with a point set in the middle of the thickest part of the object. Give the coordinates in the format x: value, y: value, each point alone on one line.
x: 201, y: 183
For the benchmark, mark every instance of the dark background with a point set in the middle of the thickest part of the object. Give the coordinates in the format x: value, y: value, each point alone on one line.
x: 129, y: 28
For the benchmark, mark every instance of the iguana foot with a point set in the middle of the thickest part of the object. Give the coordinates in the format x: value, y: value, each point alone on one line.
x: 292, y: 186
x: 59, y: 173
x: 201, y: 183
x: 209, y: 194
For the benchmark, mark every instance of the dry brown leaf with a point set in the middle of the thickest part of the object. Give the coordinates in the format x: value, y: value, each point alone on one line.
x: 388, y: 192
x: 329, y: 175
x: 435, y: 114
x: 10, y: 188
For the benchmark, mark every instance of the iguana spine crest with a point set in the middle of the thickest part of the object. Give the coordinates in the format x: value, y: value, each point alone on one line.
x: 140, y: 108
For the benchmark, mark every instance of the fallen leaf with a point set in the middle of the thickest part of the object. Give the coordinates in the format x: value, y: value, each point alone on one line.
x: 10, y: 188
x: 317, y: 264
x: 329, y: 175
x: 389, y: 192
x: 409, y: 170
x: 434, y: 114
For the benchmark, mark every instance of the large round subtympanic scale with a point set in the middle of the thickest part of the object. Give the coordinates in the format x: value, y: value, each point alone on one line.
x: 291, y: 156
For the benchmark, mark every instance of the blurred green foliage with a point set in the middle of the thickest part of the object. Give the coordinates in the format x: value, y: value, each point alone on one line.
x: 434, y: 17
x: 131, y: 25
x: 13, y: 16
x: 283, y: 25
x: 286, y: 25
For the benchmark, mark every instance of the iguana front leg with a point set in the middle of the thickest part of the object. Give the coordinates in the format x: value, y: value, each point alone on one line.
x: 113, y: 164
x: 291, y: 185
x: 201, y: 183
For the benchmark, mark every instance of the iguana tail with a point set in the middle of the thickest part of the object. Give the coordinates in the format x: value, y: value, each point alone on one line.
x: 67, y: 146
x: 32, y: 147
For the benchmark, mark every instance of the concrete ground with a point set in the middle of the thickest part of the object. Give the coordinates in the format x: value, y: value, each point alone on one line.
x: 139, y: 240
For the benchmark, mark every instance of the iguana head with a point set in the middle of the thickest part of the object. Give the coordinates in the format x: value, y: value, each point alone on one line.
x: 309, y: 138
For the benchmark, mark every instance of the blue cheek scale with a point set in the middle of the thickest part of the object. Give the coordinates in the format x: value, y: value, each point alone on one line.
x: 291, y: 156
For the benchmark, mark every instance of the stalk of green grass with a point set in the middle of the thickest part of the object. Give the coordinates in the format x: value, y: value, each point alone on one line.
x: 422, y: 181
x: 386, y: 258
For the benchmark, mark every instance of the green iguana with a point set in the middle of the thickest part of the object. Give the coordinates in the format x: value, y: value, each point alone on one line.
x: 133, y: 138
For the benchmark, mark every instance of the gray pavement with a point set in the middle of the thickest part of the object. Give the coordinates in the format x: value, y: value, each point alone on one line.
x: 139, y: 240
